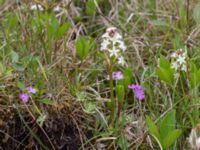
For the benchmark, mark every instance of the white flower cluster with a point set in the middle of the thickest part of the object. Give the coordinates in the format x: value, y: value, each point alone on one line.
x: 194, y: 140
x: 37, y: 7
x: 113, y: 44
x: 179, y: 60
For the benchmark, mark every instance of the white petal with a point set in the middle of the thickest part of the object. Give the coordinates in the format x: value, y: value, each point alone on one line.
x: 104, y: 45
x: 198, y: 143
x: 184, y: 68
x: 174, y: 55
x: 193, y: 138
x: 114, y: 52
x: 181, y: 60
x: 175, y: 65
x: 121, y: 61
x: 37, y: 7
x: 122, y: 45
x: 111, y: 29
x: 57, y: 9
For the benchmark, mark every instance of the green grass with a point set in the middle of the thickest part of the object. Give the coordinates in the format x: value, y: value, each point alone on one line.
x: 58, y: 54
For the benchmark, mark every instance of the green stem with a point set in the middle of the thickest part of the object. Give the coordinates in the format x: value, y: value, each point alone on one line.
x: 195, y: 104
x: 113, y: 103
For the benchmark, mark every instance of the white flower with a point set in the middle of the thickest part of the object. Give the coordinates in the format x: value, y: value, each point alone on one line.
x: 106, y: 35
x: 113, y: 43
x: 122, y: 45
x: 192, y: 138
x: 57, y: 9
x: 111, y: 29
x: 174, y: 65
x: 181, y: 60
x: 37, y: 7
x: 174, y: 55
x: 114, y: 52
x: 198, y: 143
x: 116, y: 37
x: 104, y: 45
x: 121, y: 61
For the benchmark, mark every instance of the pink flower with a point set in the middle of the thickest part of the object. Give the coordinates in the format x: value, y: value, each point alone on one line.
x: 24, y: 97
x: 31, y: 90
x: 118, y: 75
x: 138, y: 90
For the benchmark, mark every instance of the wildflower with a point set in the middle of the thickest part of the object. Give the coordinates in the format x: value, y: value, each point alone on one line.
x: 121, y: 61
x: 121, y: 45
x: 41, y: 119
x: 114, y: 52
x: 113, y: 43
x: 32, y: 90
x: 104, y: 45
x: 175, y: 65
x: 194, y: 140
x: 24, y: 97
x: 37, y: 7
x: 57, y: 9
x: 118, y: 75
x: 138, y: 90
x: 179, y: 60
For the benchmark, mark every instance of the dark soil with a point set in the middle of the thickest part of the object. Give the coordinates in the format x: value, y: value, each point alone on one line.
x: 60, y: 129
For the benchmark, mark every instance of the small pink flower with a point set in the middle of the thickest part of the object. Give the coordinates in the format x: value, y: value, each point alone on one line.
x: 31, y: 89
x: 138, y: 90
x: 118, y: 75
x: 24, y: 97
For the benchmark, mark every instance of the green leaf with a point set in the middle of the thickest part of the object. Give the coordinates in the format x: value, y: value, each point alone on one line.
x: 63, y: 29
x: 128, y: 72
x: 14, y: 56
x: 128, y: 75
x: 165, y: 72
x: 152, y: 127
x: 159, y: 23
x: 171, y: 138
x: 120, y: 93
x: 83, y: 45
x: 54, y: 22
x: 18, y: 67
x: 193, y: 67
x: 2, y: 69
x: 47, y: 101
x: 167, y: 124
x: 126, y: 81
x: 21, y: 85
x: 166, y: 75
x: 196, y: 13
x: 90, y: 7
x: 123, y: 142
x: 89, y: 107
x: 12, y: 21
x: 193, y: 80
x: 194, y: 75
x: 164, y: 62
x: 52, y: 25
x: 198, y: 77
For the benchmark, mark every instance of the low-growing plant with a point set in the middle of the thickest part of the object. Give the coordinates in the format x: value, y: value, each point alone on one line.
x: 164, y: 133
